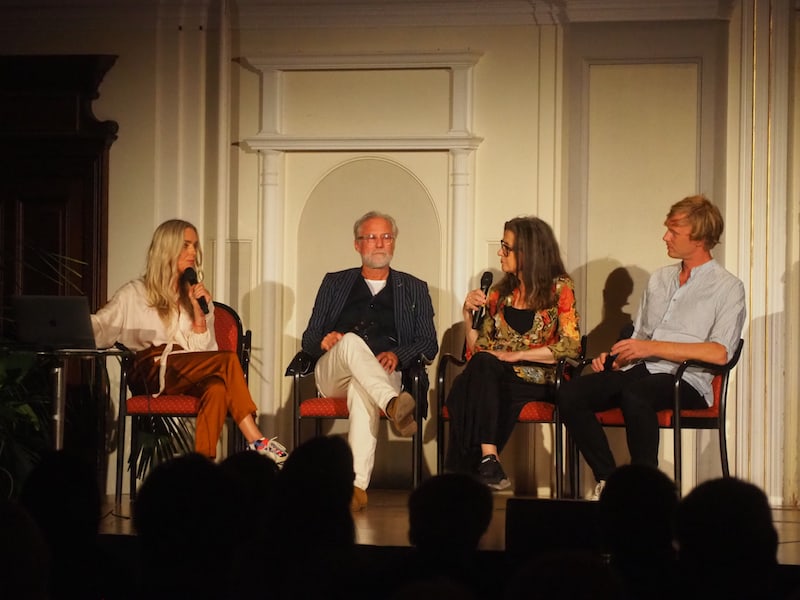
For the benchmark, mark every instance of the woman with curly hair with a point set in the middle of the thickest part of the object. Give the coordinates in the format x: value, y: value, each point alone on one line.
x: 530, y: 316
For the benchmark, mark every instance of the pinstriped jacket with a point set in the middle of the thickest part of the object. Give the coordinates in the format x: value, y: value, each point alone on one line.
x: 413, y: 314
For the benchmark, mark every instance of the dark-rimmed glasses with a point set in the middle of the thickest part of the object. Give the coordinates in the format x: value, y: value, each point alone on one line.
x: 371, y: 238
x: 505, y: 249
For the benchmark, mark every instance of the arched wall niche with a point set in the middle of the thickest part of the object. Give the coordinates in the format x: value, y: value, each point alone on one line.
x: 346, y: 192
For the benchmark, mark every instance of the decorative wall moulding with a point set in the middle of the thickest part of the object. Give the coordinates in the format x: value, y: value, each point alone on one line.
x: 265, y: 14
x: 280, y: 14
x: 446, y: 59
x: 288, y: 143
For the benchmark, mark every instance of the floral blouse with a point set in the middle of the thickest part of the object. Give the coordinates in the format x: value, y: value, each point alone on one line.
x: 555, y: 327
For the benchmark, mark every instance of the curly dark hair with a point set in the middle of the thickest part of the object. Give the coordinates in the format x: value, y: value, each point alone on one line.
x: 538, y: 261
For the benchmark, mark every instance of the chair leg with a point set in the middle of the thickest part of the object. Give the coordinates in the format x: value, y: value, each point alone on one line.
x: 559, y: 452
x: 416, y: 445
x: 723, y: 451
x: 134, y: 452
x: 416, y: 459
x: 120, y: 458
x: 574, y: 467
x: 440, y: 445
x: 678, y: 459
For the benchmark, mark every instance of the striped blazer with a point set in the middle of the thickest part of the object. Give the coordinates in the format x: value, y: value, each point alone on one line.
x: 413, y: 314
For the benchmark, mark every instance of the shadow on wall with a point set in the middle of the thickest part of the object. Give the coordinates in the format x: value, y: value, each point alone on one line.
x: 622, y: 288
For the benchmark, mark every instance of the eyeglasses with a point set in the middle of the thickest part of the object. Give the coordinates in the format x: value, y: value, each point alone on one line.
x: 505, y: 249
x: 371, y: 238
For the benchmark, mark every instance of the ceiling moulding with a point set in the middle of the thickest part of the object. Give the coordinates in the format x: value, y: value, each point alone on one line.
x: 129, y: 14
x: 272, y: 14
x: 278, y: 14
x: 582, y: 11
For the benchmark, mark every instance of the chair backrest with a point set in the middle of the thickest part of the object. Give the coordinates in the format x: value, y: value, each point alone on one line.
x: 227, y: 328
x: 231, y: 335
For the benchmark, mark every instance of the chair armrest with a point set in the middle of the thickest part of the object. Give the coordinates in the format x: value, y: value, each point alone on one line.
x: 302, y: 364
x: 441, y: 369
x: 713, y: 367
x: 418, y: 365
x: 126, y: 359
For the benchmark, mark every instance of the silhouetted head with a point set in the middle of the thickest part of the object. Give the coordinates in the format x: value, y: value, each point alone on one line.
x: 726, y: 521
x: 71, y: 479
x: 449, y: 512
x: 189, y: 522
x: 636, y: 512
x: 314, y: 489
x: 24, y: 555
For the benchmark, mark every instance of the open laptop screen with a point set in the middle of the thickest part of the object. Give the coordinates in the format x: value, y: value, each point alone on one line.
x: 53, y: 322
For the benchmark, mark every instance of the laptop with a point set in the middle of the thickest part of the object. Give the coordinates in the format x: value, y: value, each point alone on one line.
x: 53, y: 322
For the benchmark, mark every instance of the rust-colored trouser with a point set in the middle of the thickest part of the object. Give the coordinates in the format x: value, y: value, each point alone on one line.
x: 215, y: 377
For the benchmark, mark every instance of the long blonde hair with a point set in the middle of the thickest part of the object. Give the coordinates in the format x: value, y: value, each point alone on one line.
x: 161, y: 274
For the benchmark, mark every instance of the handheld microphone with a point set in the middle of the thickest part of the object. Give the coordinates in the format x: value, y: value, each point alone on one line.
x: 624, y: 334
x: 190, y: 277
x: 486, y: 283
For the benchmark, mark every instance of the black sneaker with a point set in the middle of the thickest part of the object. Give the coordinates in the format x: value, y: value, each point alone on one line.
x: 491, y: 473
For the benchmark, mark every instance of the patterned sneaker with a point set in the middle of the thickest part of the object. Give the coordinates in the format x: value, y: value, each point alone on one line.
x: 598, y: 490
x: 491, y: 473
x: 270, y: 448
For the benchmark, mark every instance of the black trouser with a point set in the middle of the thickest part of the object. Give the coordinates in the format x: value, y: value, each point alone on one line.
x: 484, y: 404
x: 639, y: 394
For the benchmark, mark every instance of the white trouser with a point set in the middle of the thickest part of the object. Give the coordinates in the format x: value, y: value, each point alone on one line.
x: 350, y: 368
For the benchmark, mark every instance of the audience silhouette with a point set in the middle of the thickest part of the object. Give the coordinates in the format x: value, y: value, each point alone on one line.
x: 566, y: 575
x: 189, y: 518
x: 62, y: 496
x: 24, y: 556
x: 448, y: 514
x: 727, y: 542
x: 245, y: 529
x: 637, y: 508
x: 311, y: 531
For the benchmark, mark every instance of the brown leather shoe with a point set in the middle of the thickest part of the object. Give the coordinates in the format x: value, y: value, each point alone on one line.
x: 400, y: 411
x: 359, y: 499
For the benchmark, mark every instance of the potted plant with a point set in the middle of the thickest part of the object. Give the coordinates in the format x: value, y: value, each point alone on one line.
x: 25, y: 400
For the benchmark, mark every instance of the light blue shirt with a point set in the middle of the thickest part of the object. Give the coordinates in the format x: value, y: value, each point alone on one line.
x: 709, y: 307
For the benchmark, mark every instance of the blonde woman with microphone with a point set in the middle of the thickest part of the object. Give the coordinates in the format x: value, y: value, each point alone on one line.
x: 167, y: 318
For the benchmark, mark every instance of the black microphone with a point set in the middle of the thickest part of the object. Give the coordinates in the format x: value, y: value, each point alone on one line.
x: 190, y: 277
x: 486, y: 283
x: 624, y: 334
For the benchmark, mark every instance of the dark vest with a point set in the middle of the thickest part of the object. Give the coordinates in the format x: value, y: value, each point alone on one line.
x: 371, y: 317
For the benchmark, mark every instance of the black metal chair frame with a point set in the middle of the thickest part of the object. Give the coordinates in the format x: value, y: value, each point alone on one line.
x: 235, y: 440
x: 560, y: 369
x: 302, y: 366
x: 682, y: 421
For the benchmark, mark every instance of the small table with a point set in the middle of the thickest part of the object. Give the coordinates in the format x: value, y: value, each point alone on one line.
x: 60, y: 381
x: 59, y: 375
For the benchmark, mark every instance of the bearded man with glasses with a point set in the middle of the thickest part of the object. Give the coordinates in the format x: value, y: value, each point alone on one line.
x: 368, y: 324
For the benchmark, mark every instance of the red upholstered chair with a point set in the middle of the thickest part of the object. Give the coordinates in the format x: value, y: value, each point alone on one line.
x: 536, y: 411
x: 308, y: 404
x: 709, y: 418
x: 231, y: 337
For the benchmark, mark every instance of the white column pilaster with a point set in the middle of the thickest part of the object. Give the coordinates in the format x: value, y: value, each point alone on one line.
x: 762, y: 254
x: 271, y: 235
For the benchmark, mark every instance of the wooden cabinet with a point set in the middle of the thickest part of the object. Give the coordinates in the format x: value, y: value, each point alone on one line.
x: 53, y: 177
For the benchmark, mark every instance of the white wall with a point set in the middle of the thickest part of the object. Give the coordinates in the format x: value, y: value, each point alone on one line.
x: 166, y: 162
